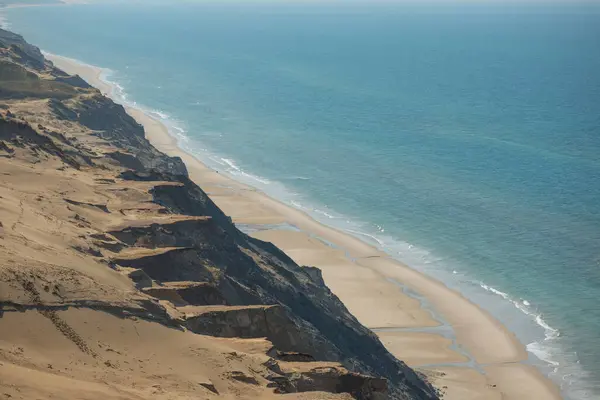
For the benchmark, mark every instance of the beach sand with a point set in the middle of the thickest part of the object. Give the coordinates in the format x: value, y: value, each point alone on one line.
x: 492, y: 362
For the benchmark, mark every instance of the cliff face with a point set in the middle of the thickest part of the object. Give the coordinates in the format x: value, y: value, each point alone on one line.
x: 100, y: 233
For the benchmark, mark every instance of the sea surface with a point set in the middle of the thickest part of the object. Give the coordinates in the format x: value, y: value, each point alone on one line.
x: 462, y: 139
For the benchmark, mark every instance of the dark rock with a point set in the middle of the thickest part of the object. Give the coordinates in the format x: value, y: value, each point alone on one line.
x: 140, y: 278
x: 168, y: 294
x: 73, y: 80
x: 177, y: 264
x: 61, y: 111
x: 315, y: 274
x: 188, y: 293
x: 6, y: 148
x: 242, y: 377
x: 101, y: 207
x: 326, y: 328
x: 210, y: 387
x: 88, y: 250
x: 326, y: 378
x: 291, y: 356
x: 127, y: 160
x: 30, y: 55
x: 21, y: 134
x: 272, y: 322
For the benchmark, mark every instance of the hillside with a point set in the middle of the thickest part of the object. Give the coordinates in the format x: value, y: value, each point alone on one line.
x: 121, y: 279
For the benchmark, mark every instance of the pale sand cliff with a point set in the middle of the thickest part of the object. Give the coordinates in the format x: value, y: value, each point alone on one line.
x: 362, y: 277
x: 121, y: 279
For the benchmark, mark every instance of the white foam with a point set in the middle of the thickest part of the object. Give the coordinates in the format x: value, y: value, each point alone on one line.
x: 565, y: 367
x: 230, y: 163
x: 234, y: 169
x: 544, y: 353
x: 117, y: 92
x: 217, y: 160
x: 540, y: 348
x: 297, y: 205
x: 495, y: 291
x: 323, y: 213
x: 381, y: 242
x: 159, y: 114
x: 256, y: 178
x: 179, y: 129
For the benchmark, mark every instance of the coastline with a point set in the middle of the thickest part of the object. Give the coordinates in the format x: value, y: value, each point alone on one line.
x: 365, y: 279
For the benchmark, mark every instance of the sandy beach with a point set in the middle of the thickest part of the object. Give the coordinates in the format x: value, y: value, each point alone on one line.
x: 480, y: 360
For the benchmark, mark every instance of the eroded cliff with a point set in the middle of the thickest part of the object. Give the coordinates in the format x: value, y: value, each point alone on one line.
x: 120, y: 278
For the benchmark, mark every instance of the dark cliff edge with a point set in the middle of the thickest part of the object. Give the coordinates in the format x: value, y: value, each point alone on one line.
x: 200, y: 272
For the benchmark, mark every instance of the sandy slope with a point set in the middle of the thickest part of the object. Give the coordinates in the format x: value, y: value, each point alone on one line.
x: 76, y: 322
x: 126, y: 359
x: 63, y: 332
x: 70, y: 326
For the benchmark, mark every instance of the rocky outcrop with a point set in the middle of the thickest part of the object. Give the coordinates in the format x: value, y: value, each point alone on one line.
x: 271, y: 322
x: 290, y: 356
x: 140, y: 278
x: 188, y: 293
x: 315, y: 274
x: 293, y: 377
x: 111, y: 122
x: 26, y: 53
x: 16, y: 133
x: 20, y: 64
x: 248, y: 271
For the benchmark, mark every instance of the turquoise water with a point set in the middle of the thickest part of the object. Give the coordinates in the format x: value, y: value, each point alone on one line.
x: 465, y: 141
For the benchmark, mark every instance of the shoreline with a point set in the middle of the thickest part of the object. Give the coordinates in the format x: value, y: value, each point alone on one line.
x: 365, y: 278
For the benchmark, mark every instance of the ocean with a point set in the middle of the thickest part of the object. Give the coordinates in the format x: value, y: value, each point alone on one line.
x: 463, y: 139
